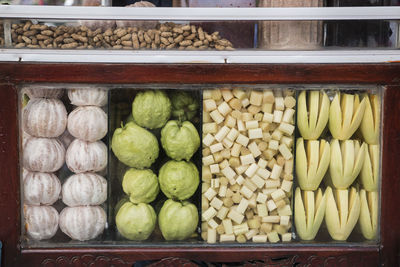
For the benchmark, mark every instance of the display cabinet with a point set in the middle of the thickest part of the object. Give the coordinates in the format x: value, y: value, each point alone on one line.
x: 295, y: 159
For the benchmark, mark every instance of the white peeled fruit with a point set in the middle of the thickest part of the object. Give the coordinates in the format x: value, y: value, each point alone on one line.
x: 312, y: 161
x: 88, y: 96
x: 41, y: 222
x: 44, y: 117
x: 312, y: 118
x: 347, y: 158
x: 83, y: 223
x: 43, y: 154
x: 310, y: 210
x: 370, y: 124
x: 370, y: 170
x: 84, y: 189
x: 43, y: 92
x: 88, y: 123
x: 83, y: 156
x: 369, y: 214
x: 41, y: 188
x: 342, y: 212
x: 345, y: 115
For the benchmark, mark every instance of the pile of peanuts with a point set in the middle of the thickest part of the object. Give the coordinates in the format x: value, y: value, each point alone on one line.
x: 164, y: 36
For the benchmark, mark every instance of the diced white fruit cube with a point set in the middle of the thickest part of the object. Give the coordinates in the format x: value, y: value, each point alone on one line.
x: 289, y: 166
x: 227, y: 223
x: 213, y: 224
x: 222, y: 212
x: 288, y: 141
x: 228, y: 172
x: 241, y: 208
x: 277, y: 116
x: 288, y: 115
x: 208, y: 139
x: 273, y: 145
x: 245, y: 102
x: 235, y: 216
x: 235, y: 150
x: 246, y: 192
x: 224, y: 109
x: 271, y: 219
x: 264, y: 173
x: 240, y: 229
x: 262, y: 198
x: 216, y: 116
x: 285, y: 220
x: 273, y: 237
x: 256, y: 98
x: 222, y: 191
x: 268, y: 97
x: 272, y: 183
x: 240, y: 126
x: 242, y: 139
x: 216, y: 203
x: 276, y: 135
x: 286, y: 185
x: 227, y: 94
x: 271, y: 205
x: 268, y: 117
x: 210, y: 193
x: 254, y: 149
x: 251, y: 125
x: 278, y: 194
x: 287, y: 237
x: 286, y: 128
x: 259, y: 238
x: 210, y: 127
x: 240, y: 180
x: 250, y: 185
x: 279, y: 103
x: 227, y: 143
x: 209, y: 214
x: 252, y: 232
x: 258, y: 181
x: 255, y: 133
x: 251, y: 170
x: 262, y: 163
x: 241, y: 169
x: 215, y: 182
x: 216, y: 147
x: 276, y: 172
x: 285, y: 152
x: 208, y: 160
x: 247, y: 159
x: 209, y: 105
x: 233, y: 134
x: 285, y: 210
x: 230, y: 121
x: 222, y: 133
x: 262, y: 210
x: 227, y: 238
x: 211, y: 235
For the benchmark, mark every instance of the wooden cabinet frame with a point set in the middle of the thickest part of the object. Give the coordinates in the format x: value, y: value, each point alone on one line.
x: 386, y: 253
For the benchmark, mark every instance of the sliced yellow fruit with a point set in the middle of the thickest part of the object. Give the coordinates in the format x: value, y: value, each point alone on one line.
x: 370, y: 170
x: 370, y: 124
x: 369, y: 214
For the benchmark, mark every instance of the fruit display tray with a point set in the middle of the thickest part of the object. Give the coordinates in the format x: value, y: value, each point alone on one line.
x: 12, y: 75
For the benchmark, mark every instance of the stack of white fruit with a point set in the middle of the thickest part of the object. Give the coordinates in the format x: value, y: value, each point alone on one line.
x: 84, y: 191
x: 247, y: 165
x: 43, y: 120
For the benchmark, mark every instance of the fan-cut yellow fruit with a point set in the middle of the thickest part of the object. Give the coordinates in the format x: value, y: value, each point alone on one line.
x: 312, y: 162
x: 347, y: 158
x: 310, y: 210
x: 312, y: 113
x: 342, y: 212
x: 370, y: 124
x: 369, y: 214
x: 345, y: 115
x: 370, y: 170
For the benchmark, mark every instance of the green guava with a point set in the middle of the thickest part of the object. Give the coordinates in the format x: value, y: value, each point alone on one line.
x: 180, y: 140
x: 136, y: 221
x: 178, y: 220
x: 151, y: 109
x: 184, y: 105
x: 140, y: 185
x: 135, y: 146
x: 178, y: 179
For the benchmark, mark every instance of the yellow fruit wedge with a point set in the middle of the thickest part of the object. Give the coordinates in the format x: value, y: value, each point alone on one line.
x: 347, y: 158
x: 370, y: 170
x: 369, y: 214
x: 345, y: 115
x: 371, y: 120
x: 312, y: 113
x: 342, y: 212
x: 311, y: 163
x: 309, y: 210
